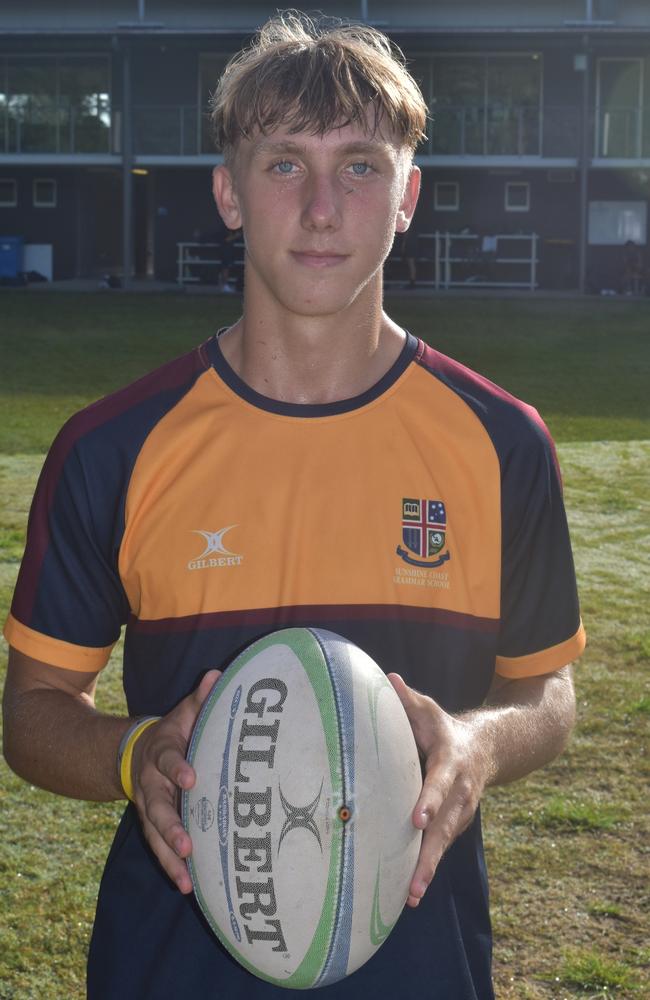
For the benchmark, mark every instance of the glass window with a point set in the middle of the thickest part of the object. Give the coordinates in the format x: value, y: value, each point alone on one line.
x: 513, y: 93
x: 620, y: 108
x: 8, y: 193
x: 84, y: 106
x: 446, y: 196
x: 487, y: 105
x: 458, y: 105
x: 517, y: 196
x: 211, y: 67
x: 420, y: 70
x: 57, y: 105
x: 32, y: 106
x: 44, y: 193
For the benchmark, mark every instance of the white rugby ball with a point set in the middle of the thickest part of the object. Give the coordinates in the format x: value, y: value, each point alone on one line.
x: 300, y: 818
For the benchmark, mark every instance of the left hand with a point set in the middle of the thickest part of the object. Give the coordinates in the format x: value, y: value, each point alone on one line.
x: 454, y: 779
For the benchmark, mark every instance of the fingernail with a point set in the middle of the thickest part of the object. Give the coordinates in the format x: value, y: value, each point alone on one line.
x: 419, y: 888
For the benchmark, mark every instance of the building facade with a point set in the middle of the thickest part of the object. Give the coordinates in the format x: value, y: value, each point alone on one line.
x: 538, y: 148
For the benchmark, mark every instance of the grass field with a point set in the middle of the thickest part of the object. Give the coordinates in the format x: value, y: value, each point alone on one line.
x: 569, y: 848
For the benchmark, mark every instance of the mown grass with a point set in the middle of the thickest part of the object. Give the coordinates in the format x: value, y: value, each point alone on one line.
x: 566, y: 848
x: 585, y: 364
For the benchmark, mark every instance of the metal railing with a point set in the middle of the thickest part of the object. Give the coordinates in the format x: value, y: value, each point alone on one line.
x: 42, y: 126
x: 503, y: 130
x: 620, y: 132
x: 168, y: 131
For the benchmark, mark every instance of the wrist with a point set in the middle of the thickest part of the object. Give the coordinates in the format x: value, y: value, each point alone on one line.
x: 125, y: 752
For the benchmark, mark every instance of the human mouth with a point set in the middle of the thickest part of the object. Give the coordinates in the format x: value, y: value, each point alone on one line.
x: 317, y: 258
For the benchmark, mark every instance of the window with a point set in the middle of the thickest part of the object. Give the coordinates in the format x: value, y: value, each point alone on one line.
x: 56, y: 104
x: 487, y: 105
x: 211, y: 67
x: 613, y: 223
x: 8, y: 194
x: 44, y: 194
x: 446, y: 196
x: 620, y: 108
x: 517, y: 196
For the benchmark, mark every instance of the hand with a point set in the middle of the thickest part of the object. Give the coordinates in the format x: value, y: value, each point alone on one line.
x: 455, y: 776
x: 159, y: 770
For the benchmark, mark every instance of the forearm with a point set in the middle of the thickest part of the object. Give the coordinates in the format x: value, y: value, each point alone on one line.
x: 61, y: 743
x: 523, y: 725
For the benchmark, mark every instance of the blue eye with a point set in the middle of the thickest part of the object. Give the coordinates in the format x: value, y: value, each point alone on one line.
x: 284, y: 167
x: 360, y: 169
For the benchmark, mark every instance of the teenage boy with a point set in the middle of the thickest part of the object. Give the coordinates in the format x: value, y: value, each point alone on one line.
x: 350, y: 477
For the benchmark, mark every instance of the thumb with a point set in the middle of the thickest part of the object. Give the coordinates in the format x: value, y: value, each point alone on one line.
x: 422, y: 712
x: 409, y: 698
x: 207, y: 683
x: 187, y: 710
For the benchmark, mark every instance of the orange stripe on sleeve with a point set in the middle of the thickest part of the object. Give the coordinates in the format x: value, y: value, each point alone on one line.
x: 54, y: 651
x: 545, y: 661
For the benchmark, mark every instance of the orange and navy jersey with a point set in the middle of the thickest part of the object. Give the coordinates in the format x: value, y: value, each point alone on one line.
x: 422, y: 519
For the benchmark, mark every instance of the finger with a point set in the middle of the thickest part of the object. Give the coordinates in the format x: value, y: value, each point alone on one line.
x: 187, y: 710
x: 159, y: 813
x: 207, y: 683
x: 451, y: 820
x: 424, y: 714
x: 174, y: 866
x: 436, y: 788
x: 172, y: 735
x: 401, y: 687
x: 171, y: 762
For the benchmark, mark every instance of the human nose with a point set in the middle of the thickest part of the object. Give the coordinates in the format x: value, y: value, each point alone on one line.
x: 322, y: 208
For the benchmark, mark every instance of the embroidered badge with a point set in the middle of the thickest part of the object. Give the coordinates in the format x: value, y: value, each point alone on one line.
x: 424, y: 530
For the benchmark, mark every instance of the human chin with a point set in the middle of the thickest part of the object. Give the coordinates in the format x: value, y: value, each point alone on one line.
x: 325, y: 298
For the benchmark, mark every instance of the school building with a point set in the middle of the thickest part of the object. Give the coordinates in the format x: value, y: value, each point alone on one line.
x: 536, y: 169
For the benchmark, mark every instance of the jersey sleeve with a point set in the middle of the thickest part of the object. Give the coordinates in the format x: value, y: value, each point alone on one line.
x: 69, y: 604
x: 541, y: 629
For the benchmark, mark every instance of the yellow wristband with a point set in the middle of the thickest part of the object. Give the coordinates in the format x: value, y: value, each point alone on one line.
x: 125, y: 753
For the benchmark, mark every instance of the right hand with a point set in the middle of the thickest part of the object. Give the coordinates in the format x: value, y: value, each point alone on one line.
x: 159, y: 769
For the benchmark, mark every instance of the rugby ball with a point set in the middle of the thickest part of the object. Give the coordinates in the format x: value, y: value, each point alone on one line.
x: 300, y: 818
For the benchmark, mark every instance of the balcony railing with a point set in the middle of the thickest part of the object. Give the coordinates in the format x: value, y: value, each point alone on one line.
x: 503, y: 130
x: 37, y: 126
x: 168, y: 131
x: 620, y: 133
x: 494, y: 130
x: 42, y: 126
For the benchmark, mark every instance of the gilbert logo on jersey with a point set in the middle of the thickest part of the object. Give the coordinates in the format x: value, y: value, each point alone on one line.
x: 216, y: 554
x: 424, y: 529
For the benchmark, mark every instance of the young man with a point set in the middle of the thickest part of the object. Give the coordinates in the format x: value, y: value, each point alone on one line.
x: 346, y: 476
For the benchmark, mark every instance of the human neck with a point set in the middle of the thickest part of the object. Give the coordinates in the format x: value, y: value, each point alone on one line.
x: 313, y: 359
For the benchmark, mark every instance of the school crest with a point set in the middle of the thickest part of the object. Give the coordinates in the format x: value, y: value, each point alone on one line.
x: 424, y: 530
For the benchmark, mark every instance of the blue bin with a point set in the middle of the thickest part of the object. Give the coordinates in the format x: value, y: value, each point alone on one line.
x: 11, y: 256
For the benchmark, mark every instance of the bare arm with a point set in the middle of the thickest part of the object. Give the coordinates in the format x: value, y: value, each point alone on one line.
x: 55, y: 737
x: 53, y: 734
x: 523, y: 725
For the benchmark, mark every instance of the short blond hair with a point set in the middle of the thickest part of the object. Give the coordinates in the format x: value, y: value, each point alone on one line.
x: 314, y: 76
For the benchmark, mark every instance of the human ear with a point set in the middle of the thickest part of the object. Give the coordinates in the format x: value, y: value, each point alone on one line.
x: 225, y: 196
x: 409, y: 200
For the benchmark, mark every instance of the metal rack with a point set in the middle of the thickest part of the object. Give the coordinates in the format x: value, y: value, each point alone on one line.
x: 482, y: 257
x: 191, y: 261
x: 188, y: 259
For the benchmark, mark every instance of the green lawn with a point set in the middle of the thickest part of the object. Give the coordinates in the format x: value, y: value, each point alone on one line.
x: 585, y: 363
x: 567, y: 847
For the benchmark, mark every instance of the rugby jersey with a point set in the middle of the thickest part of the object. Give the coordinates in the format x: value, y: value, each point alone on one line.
x: 422, y: 519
